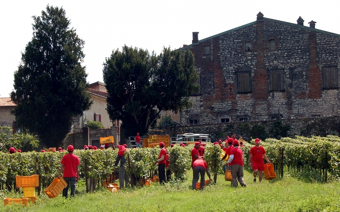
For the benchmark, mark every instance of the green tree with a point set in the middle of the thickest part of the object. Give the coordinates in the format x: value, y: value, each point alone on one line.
x: 50, y: 84
x: 141, y: 85
x: 94, y: 125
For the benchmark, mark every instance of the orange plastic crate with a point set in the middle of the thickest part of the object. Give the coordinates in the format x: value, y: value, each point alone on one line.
x: 198, y: 184
x: 23, y: 201
x: 56, y: 187
x: 27, y: 181
x: 29, y: 191
x: 111, y: 186
x: 269, y: 172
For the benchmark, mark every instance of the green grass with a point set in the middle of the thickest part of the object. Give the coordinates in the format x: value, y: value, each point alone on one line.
x: 287, y: 194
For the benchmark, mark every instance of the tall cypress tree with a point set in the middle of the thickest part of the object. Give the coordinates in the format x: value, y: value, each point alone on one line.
x: 50, y: 84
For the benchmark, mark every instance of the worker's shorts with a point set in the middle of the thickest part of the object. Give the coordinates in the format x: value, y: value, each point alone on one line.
x: 258, y: 166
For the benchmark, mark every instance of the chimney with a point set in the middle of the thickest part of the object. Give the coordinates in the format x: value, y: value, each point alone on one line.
x: 300, y: 21
x: 312, y: 24
x: 195, y: 37
x: 259, y: 16
x: 184, y: 45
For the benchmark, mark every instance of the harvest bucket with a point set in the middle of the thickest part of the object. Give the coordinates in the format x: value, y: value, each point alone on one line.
x: 227, y: 175
x: 269, y: 172
x: 198, y: 184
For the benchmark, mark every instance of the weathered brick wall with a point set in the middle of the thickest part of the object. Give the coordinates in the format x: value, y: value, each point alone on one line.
x: 6, y: 118
x: 301, y: 54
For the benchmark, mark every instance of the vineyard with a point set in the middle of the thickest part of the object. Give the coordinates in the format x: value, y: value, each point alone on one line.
x: 318, y: 154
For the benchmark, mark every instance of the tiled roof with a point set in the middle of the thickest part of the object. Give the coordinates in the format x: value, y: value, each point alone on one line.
x: 6, y: 102
x: 97, y: 92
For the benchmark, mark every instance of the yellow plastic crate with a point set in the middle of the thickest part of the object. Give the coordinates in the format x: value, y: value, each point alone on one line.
x: 29, y: 191
x: 56, y: 187
x: 27, y: 181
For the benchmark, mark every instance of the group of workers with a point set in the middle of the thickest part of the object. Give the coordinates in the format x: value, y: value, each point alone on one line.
x: 234, y: 163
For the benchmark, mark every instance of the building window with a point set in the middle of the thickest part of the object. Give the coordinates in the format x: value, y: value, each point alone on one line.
x: 330, y: 78
x: 272, y: 44
x: 243, y: 119
x: 206, y: 49
x: 194, y: 121
x: 248, y: 47
x: 276, y: 81
x: 225, y: 120
x: 243, y: 82
x: 97, y: 117
x: 275, y: 117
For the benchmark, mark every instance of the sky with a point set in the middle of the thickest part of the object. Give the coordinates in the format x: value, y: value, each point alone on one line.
x: 148, y: 24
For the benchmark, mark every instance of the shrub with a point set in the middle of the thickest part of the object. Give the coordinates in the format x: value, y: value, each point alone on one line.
x: 94, y: 125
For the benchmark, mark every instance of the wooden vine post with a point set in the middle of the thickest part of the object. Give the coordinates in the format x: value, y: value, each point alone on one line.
x: 38, y: 173
x: 282, y: 162
x: 86, y: 176
x: 326, y: 166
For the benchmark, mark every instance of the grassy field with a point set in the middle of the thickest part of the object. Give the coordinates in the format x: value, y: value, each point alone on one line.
x: 287, y: 194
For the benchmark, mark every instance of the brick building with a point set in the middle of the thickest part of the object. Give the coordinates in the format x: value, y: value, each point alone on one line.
x: 265, y: 70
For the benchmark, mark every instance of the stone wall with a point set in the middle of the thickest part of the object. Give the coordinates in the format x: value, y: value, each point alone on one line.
x: 6, y: 118
x: 299, y: 56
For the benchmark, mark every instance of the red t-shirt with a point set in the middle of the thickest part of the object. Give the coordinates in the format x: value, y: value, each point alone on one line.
x: 137, y: 138
x: 257, y: 153
x: 194, y: 152
x: 201, y: 150
x: 70, y: 162
x: 200, y: 162
x: 167, y: 161
x: 163, y: 152
x: 228, y: 151
x: 238, y: 159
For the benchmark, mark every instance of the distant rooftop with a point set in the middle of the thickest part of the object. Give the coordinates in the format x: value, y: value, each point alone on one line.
x: 6, y: 102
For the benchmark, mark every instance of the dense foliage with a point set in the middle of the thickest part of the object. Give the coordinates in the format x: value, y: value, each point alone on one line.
x: 23, y: 141
x: 50, y: 84
x: 94, y: 125
x: 141, y: 86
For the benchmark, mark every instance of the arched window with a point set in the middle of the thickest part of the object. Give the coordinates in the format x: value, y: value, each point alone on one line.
x: 272, y: 44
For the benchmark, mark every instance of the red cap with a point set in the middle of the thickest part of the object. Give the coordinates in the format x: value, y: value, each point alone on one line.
x: 86, y: 147
x: 101, y: 148
x: 161, y: 144
x: 220, y: 141
x: 90, y: 147
x: 60, y: 148
x: 94, y: 148
x: 203, y: 144
x: 230, y: 140
x: 12, y: 150
x: 19, y: 150
x: 257, y: 141
x: 125, y: 145
x: 42, y: 150
x: 197, y: 143
x: 70, y: 148
x: 235, y: 143
x: 138, y: 133
x: 106, y: 145
x: 216, y: 143
x: 172, y: 145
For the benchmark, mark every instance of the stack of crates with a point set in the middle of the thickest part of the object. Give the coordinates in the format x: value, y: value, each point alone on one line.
x: 28, y: 184
x: 154, y: 140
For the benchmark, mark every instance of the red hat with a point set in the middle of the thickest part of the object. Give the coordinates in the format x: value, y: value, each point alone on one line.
x: 161, y: 144
x: 216, y: 143
x: 235, y: 143
x: 121, y: 150
x: 203, y: 144
x: 125, y: 145
x: 172, y: 145
x: 257, y: 141
x: 181, y: 144
x: 230, y: 140
x: 42, y: 150
x: 70, y: 148
x: 220, y: 141
x: 60, y: 148
x: 197, y: 143
x: 19, y: 150
x: 12, y: 150
x: 86, y: 147
x: 94, y: 148
x: 90, y: 147
x: 106, y: 145
x: 101, y: 148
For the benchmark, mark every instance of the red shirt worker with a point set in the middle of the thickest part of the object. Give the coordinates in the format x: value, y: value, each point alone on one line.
x: 257, y: 153
x: 137, y: 139
x: 236, y: 162
x: 194, y: 153
x: 161, y: 163
x: 200, y: 167
x: 70, y: 169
